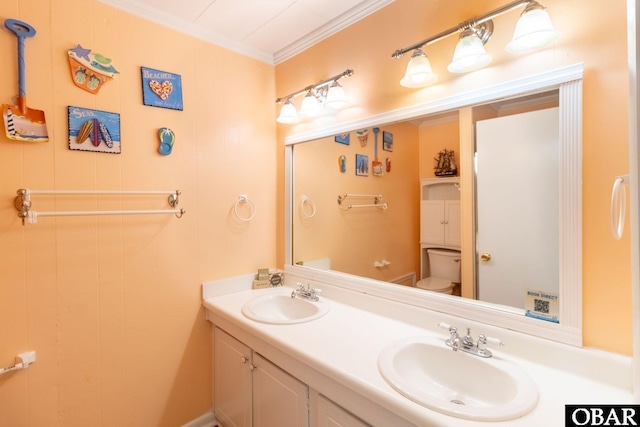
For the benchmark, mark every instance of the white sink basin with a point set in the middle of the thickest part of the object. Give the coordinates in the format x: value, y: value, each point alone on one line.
x: 459, y: 384
x: 281, y: 309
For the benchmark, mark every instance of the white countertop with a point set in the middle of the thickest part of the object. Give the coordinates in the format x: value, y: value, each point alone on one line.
x: 337, y: 355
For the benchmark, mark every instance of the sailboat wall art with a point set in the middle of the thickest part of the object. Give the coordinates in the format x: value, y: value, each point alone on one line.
x: 445, y: 164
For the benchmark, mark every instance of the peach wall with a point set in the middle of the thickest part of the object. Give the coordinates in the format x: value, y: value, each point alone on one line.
x: 354, y: 239
x: 366, y: 47
x: 112, y: 304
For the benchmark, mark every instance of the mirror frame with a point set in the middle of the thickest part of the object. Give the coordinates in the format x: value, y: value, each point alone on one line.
x: 568, y: 81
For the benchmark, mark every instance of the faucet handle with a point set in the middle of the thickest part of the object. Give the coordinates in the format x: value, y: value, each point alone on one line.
x: 483, y: 340
x: 452, y: 329
x: 444, y: 325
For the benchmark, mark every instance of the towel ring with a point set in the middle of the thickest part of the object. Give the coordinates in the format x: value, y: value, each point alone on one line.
x: 618, y: 206
x: 244, y: 199
x: 307, y: 201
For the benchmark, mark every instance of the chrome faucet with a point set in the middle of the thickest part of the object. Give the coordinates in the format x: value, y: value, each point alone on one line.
x: 306, y: 293
x: 467, y: 344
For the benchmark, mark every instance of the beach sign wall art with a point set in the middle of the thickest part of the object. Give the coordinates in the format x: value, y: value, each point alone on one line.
x: 161, y: 89
x: 93, y: 130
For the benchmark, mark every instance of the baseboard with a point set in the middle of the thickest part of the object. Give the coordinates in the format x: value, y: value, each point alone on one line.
x: 408, y: 279
x: 206, y: 420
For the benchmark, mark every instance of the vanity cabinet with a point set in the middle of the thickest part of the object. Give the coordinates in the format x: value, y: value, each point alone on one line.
x: 251, y: 391
x: 440, y: 213
x: 328, y: 414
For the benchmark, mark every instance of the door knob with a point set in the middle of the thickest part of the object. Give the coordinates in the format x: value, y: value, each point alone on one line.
x: 485, y: 257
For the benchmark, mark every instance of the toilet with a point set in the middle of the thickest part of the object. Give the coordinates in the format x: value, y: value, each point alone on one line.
x: 444, y: 265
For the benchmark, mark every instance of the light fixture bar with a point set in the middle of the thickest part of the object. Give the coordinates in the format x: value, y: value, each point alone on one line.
x: 463, y: 25
x: 346, y: 73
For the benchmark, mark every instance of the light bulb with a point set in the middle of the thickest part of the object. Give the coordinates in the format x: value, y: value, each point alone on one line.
x: 469, y: 54
x: 533, y: 31
x: 336, y: 98
x: 288, y: 113
x: 310, y: 106
x: 419, y: 72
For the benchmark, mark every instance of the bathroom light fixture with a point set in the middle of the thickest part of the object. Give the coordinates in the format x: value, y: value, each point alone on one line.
x: 288, y: 113
x: 533, y: 31
x: 310, y: 106
x: 419, y: 72
x: 336, y: 97
x: 327, y: 93
x: 470, y: 54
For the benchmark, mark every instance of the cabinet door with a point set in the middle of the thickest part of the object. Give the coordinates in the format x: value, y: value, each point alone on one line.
x: 432, y: 221
x: 232, y: 380
x: 452, y: 222
x: 278, y: 398
x: 328, y: 414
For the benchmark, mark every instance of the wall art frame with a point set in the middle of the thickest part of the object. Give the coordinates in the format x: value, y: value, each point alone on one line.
x: 161, y: 89
x: 362, y: 165
x: 387, y: 141
x: 343, y: 138
x: 94, y: 130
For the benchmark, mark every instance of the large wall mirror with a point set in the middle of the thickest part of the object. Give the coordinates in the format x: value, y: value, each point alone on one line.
x: 382, y: 204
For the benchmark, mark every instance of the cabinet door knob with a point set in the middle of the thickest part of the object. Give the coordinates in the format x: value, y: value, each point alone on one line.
x: 485, y: 257
x: 244, y: 359
x: 252, y: 367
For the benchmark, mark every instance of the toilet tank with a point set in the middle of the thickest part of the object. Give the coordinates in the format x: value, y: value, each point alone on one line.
x: 445, y: 264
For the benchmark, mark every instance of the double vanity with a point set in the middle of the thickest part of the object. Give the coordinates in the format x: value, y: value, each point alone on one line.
x: 298, y: 357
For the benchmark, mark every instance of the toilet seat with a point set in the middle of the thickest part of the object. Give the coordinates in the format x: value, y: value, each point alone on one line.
x: 436, y: 284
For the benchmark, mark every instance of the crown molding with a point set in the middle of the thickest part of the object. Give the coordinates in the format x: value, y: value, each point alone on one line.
x: 142, y: 10
x: 337, y: 24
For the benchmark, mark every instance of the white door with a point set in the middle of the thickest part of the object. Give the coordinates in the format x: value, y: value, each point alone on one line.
x: 517, y: 223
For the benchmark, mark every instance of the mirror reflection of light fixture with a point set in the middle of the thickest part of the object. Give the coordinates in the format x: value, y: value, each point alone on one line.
x: 419, y: 72
x: 533, y: 31
x: 327, y: 93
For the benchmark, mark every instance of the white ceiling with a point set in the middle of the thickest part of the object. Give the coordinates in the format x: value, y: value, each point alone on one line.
x: 269, y: 30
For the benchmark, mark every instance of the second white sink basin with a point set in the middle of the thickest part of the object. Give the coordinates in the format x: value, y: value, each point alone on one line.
x: 459, y: 384
x: 281, y: 309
